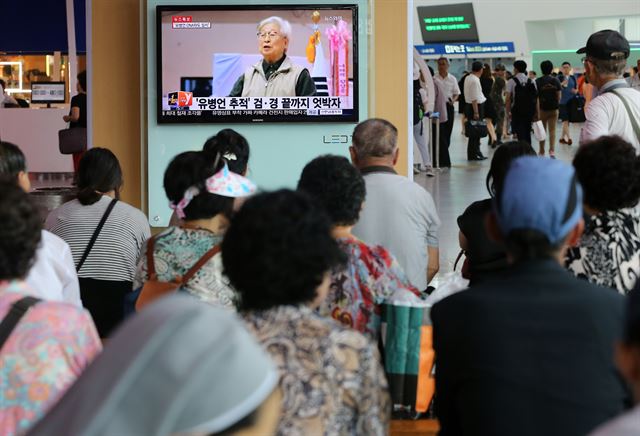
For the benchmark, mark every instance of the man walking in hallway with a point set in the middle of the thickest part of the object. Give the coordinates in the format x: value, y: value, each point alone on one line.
x: 474, y: 109
x: 451, y: 94
x: 569, y: 90
x: 521, y: 102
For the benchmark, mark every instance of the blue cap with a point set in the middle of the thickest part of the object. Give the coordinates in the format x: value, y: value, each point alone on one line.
x: 539, y: 194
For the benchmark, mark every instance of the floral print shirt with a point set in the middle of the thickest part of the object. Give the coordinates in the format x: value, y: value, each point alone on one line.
x: 609, y: 250
x: 331, y: 377
x: 48, y: 349
x: 176, y: 250
x: 357, y: 291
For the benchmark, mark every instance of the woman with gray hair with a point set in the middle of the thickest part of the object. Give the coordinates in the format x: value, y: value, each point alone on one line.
x: 275, y: 75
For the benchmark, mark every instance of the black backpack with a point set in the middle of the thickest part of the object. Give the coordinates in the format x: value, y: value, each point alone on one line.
x: 418, y: 109
x: 524, y: 103
x: 548, y: 94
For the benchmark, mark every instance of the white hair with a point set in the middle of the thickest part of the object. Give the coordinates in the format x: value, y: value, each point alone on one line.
x: 285, y: 27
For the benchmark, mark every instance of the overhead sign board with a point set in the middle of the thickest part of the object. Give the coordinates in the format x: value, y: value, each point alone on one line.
x: 468, y: 49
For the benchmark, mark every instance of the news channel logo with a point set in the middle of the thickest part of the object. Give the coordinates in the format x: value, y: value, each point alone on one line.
x: 180, y: 99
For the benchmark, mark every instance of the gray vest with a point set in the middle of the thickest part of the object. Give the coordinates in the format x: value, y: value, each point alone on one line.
x: 282, y: 83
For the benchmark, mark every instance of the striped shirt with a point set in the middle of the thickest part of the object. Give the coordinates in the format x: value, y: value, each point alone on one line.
x: 115, y: 253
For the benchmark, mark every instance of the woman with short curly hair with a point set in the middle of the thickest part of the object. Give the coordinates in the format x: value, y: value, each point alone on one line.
x: 372, y: 273
x: 278, y: 252
x: 609, y: 251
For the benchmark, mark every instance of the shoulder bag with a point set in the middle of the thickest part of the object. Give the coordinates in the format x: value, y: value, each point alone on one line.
x: 153, y: 288
x: 11, y: 320
x: 72, y: 140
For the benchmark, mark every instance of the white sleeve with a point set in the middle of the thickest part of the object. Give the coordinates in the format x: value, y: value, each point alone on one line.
x: 597, y: 123
x: 69, y: 278
x: 431, y: 91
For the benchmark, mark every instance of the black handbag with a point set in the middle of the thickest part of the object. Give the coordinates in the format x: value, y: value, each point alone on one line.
x: 575, y: 106
x: 72, y: 140
x: 476, y: 129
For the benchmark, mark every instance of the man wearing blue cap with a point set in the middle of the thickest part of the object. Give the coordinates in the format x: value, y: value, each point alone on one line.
x: 528, y: 351
x: 616, y: 110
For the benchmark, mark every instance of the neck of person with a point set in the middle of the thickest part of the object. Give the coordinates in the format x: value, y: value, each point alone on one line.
x: 445, y: 75
x: 603, y: 80
x: 111, y: 194
x: 281, y: 58
x: 385, y: 161
x: 590, y: 210
x: 216, y: 225
x: 342, y: 231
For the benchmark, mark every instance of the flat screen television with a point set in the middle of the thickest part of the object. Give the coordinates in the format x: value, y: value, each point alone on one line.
x: 218, y: 50
x: 47, y: 92
x: 448, y: 23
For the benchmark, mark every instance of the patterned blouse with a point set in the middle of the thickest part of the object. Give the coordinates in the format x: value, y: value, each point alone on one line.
x: 176, y: 250
x: 331, y: 377
x: 609, y: 250
x: 49, y: 348
x: 372, y: 275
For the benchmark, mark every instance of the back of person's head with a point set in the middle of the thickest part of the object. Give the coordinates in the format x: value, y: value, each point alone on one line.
x: 375, y: 137
x: 189, y: 171
x: 502, y: 158
x: 278, y: 250
x: 476, y: 66
x: 520, y: 66
x: 546, y: 67
x: 609, y: 172
x: 216, y: 379
x: 3, y: 85
x: 82, y: 80
x: 19, y: 232
x: 538, y: 207
x: 486, y: 72
x: 337, y: 186
x: 232, y: 147
x: 99, y: 172
x: 12, y: 160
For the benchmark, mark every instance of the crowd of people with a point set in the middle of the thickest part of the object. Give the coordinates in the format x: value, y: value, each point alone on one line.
x: 513, y: 103
x: 263, y: 312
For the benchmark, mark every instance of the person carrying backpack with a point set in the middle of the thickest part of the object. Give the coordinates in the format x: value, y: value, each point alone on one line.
x: 521, y: 102
x: 549, y: 90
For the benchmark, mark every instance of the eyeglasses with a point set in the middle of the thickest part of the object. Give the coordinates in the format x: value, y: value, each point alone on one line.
x: 271, y: 35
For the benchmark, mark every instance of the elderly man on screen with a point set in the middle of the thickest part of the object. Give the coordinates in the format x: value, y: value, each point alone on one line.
x: 275, y: 75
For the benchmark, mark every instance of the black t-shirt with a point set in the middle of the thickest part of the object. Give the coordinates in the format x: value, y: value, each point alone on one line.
x: 548, y: 87
x: 79, y: 101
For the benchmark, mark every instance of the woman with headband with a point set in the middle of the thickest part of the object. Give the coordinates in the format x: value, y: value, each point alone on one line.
x: 202, y: 193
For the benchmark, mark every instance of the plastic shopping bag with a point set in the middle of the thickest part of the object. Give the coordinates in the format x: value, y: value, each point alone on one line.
x: 538, y: 131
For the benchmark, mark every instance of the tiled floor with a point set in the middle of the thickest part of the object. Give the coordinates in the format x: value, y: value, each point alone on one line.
x: 453, y: 190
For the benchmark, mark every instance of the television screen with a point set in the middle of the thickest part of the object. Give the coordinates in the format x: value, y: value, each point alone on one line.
x: 259, y: 63
x: 448, y: 23
x: 47, y: 92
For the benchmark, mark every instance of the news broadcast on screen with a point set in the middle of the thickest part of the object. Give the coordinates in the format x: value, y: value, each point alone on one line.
x: 257, y: 63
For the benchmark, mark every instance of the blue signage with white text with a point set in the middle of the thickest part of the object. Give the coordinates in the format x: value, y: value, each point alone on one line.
x: 472, y: 48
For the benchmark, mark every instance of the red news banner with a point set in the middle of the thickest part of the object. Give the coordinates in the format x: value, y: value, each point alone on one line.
x: 186, y: 22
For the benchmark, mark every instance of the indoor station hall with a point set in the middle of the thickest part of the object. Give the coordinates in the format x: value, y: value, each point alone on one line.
x: 336, y: 217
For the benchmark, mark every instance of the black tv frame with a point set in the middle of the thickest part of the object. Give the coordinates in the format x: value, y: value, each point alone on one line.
x: 249, y: 119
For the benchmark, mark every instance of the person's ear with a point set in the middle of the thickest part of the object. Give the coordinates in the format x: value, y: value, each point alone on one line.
x: 493, y: 228
x: 573, y: 238
x: 23, y: 181
x: 628, y: 362
x: 354, y: 155
x: 396, y: 154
